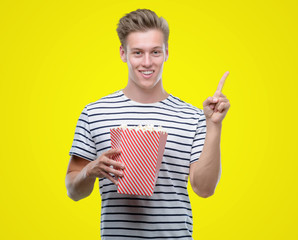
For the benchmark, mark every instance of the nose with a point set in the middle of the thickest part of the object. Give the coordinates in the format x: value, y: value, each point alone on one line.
x: 147, y: 61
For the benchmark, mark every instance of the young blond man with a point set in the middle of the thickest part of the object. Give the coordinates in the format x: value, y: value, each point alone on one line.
x: 192, y: 149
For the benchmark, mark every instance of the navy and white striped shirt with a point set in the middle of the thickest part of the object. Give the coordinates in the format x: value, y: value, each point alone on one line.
x: 167, y: 214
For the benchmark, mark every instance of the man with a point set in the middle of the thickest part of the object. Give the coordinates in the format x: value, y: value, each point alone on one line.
x: 167, y: 214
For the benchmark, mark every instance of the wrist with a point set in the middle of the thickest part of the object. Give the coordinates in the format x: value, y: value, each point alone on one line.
x: 213, y: 132
x: 212, y: 125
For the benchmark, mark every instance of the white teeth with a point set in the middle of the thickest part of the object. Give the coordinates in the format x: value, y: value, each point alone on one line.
x: 147, y: 72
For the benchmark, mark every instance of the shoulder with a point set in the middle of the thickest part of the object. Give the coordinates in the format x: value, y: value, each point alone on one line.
x: 108, y: 99
x: 179, y: 104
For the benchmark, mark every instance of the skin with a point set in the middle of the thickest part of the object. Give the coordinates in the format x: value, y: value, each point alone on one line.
x: 205, y: 174
x: 147, y: 51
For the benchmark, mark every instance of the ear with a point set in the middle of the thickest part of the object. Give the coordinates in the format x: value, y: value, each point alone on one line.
x: 167, y: 53
x: 122, y: 54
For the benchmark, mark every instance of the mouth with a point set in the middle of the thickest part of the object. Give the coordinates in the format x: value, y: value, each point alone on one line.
x: 146, y: 73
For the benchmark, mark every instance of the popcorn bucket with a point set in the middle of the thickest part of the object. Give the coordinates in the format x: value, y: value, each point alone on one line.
x: 142, y: 150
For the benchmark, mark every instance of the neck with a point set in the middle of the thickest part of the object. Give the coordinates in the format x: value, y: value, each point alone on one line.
x: 143, y: 95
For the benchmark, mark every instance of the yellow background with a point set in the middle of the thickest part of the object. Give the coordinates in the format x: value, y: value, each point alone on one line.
x: 58, y: 56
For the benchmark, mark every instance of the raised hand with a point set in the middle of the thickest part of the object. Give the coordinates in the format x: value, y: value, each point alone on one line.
x: 216, y: 107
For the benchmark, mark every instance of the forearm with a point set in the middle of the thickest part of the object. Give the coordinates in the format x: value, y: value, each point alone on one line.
x: 79, y: 185
x: 207, y: 170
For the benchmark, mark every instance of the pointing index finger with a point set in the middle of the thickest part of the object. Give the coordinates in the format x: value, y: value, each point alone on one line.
x: 222, y: 81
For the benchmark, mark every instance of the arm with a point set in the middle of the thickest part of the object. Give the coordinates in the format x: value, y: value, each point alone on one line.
x: 77, y: 183
x: 205, y: 173
x: 81, y: 173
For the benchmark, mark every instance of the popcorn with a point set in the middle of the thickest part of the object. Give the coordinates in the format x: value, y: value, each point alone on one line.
x: 142, y: 149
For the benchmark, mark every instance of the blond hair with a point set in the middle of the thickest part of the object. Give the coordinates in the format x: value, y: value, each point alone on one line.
x: 141, y: 20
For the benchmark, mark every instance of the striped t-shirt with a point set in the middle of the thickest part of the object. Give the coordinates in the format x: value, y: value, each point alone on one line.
x: 167, y: 214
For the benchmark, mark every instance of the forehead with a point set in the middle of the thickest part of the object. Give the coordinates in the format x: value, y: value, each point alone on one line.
x: 145, y: 40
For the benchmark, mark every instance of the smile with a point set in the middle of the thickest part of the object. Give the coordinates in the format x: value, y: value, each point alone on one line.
x: 146, y: 73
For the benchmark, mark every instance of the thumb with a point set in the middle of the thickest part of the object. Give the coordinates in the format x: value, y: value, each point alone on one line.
x: 210, y: 100
x: 112, y: 152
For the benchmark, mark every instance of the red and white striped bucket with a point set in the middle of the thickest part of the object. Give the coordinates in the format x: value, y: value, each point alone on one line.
x: 141, y: 153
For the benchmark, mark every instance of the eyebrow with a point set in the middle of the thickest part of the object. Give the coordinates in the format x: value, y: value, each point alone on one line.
x: 157, y: 47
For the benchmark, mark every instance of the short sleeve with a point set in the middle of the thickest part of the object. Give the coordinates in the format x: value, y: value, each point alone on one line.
x: 83, y: 144
x: 199, y: 139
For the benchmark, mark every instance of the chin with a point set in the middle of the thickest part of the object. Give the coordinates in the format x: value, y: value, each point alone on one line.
x: 145, y: 83
x: 148, y: 86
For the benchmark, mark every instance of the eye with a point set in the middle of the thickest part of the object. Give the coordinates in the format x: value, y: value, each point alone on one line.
x: 137, y: 53
x: 157, y: 52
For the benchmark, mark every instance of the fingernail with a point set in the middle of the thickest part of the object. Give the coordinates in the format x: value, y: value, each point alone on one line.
x: 214, y: 99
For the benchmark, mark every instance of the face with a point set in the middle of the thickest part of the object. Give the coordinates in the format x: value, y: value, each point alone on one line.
x: 145, y: 56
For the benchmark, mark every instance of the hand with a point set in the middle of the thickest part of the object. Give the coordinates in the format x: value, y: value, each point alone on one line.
x: 104, y: 166
x: 216, y: 107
